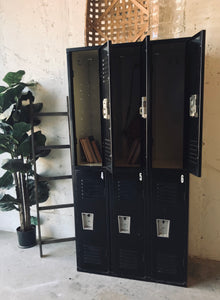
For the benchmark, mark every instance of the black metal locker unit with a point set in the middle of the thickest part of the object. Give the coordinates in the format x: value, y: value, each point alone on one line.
x: 89, y: 183
x: 140, y: 106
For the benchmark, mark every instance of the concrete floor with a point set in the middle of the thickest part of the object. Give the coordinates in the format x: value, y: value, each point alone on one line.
x: 26, y: 276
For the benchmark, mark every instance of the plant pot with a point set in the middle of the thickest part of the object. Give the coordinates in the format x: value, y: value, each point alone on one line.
x: 26, y: 239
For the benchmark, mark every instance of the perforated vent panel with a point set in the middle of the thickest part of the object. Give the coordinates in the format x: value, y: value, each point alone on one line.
x: 166, y: 263
x: 90, y: 191
x: 192, y: 152
x: 107, y: 152
x: 126, y: 190
x: 166, y: 192
x: 91, y: 255
x: 128, y: 259
x: 104, y: 70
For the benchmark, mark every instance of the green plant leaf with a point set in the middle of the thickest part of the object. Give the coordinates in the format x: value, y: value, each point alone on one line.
x: 20, y: 130
x: 7, y: 113
x: 42, y: 188
x: 13, y: 77
x: 25, y: 148
x: 7, y: 143
x: 6, y: 181
x: 6, y: 198
x: 2, y: 88
x: 5, y: 128
x: 39, y: 139
x: 7, y: 206
x: 34, y: 220
x: 42, y: 153
x: 4, y: 149
x: 27, y: 96
x: 11, y: 95
x: 24, y: 115
x: 16, y: 165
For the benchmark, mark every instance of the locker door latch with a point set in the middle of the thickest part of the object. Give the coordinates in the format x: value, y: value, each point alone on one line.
x: 193, y: 106
x: 140, y: 177
x: 143, y: 108
x: 182, y: 178
x: 106, y: 109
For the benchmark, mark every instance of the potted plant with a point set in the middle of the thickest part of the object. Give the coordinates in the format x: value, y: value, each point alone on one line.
x: 16, y: 107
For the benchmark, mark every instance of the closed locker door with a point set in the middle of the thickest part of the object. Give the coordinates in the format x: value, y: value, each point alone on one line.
x: 127, y: 224
x: 92, y: 235
x: 169, y: 222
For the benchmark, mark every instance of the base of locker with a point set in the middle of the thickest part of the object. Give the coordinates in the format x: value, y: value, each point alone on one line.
x: 147, y: 279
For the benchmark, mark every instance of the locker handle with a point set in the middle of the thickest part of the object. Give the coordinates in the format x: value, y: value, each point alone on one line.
x: 106, y: 109
x: 143, y: 108
x: 193, y: 106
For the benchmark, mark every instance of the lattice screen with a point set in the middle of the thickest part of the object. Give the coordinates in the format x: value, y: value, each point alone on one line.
x: 120, y: 21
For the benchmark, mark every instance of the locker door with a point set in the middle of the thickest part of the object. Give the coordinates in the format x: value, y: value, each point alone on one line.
x: 106, y: 105
x: 127, y: 224
x: 195, y: 55
x: 169, y: 223
x: 91, y: 219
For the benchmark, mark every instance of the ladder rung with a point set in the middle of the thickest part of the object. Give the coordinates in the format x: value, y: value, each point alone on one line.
x: 51, y: 241
x: 49, y: 178
x: 53, y: 147
x: 51, y: 114
x: 56, y: 206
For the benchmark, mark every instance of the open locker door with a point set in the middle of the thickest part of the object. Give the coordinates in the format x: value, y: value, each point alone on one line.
x: 106, y: 105
x: 148, y: 91
x: 195, y: 54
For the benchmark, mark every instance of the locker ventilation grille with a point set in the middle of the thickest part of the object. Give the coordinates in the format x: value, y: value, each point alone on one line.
x: 104, y: 70
x: 90, y: 191
x: 128, y: 259
x: 107, y: 151
x: 192, y: 153
x: 92, y: 255
x: 126, y: 190
x: 166, y: 263
x: 166, y: 192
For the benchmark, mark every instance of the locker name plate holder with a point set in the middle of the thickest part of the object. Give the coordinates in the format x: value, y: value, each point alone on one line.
x: 193, y: 107
x: 163, y: 228
x: 87, y: 221
x: 124, y: 224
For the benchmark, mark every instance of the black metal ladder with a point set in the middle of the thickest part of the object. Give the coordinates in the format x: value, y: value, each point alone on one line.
x: 38, y: 178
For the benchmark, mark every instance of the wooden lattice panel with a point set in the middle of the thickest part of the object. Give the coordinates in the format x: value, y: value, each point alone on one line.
x: 120, y: 21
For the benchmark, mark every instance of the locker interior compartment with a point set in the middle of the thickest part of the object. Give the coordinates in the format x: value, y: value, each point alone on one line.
x: 127, y: 82
x: 85, y: 65
x: 168, y: 85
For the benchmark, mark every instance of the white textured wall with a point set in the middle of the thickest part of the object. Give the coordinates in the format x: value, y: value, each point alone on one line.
x: 204, y: 221
x: 34, y: 35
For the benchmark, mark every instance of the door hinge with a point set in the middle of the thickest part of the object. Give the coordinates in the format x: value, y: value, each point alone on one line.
x: 143, y: 108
